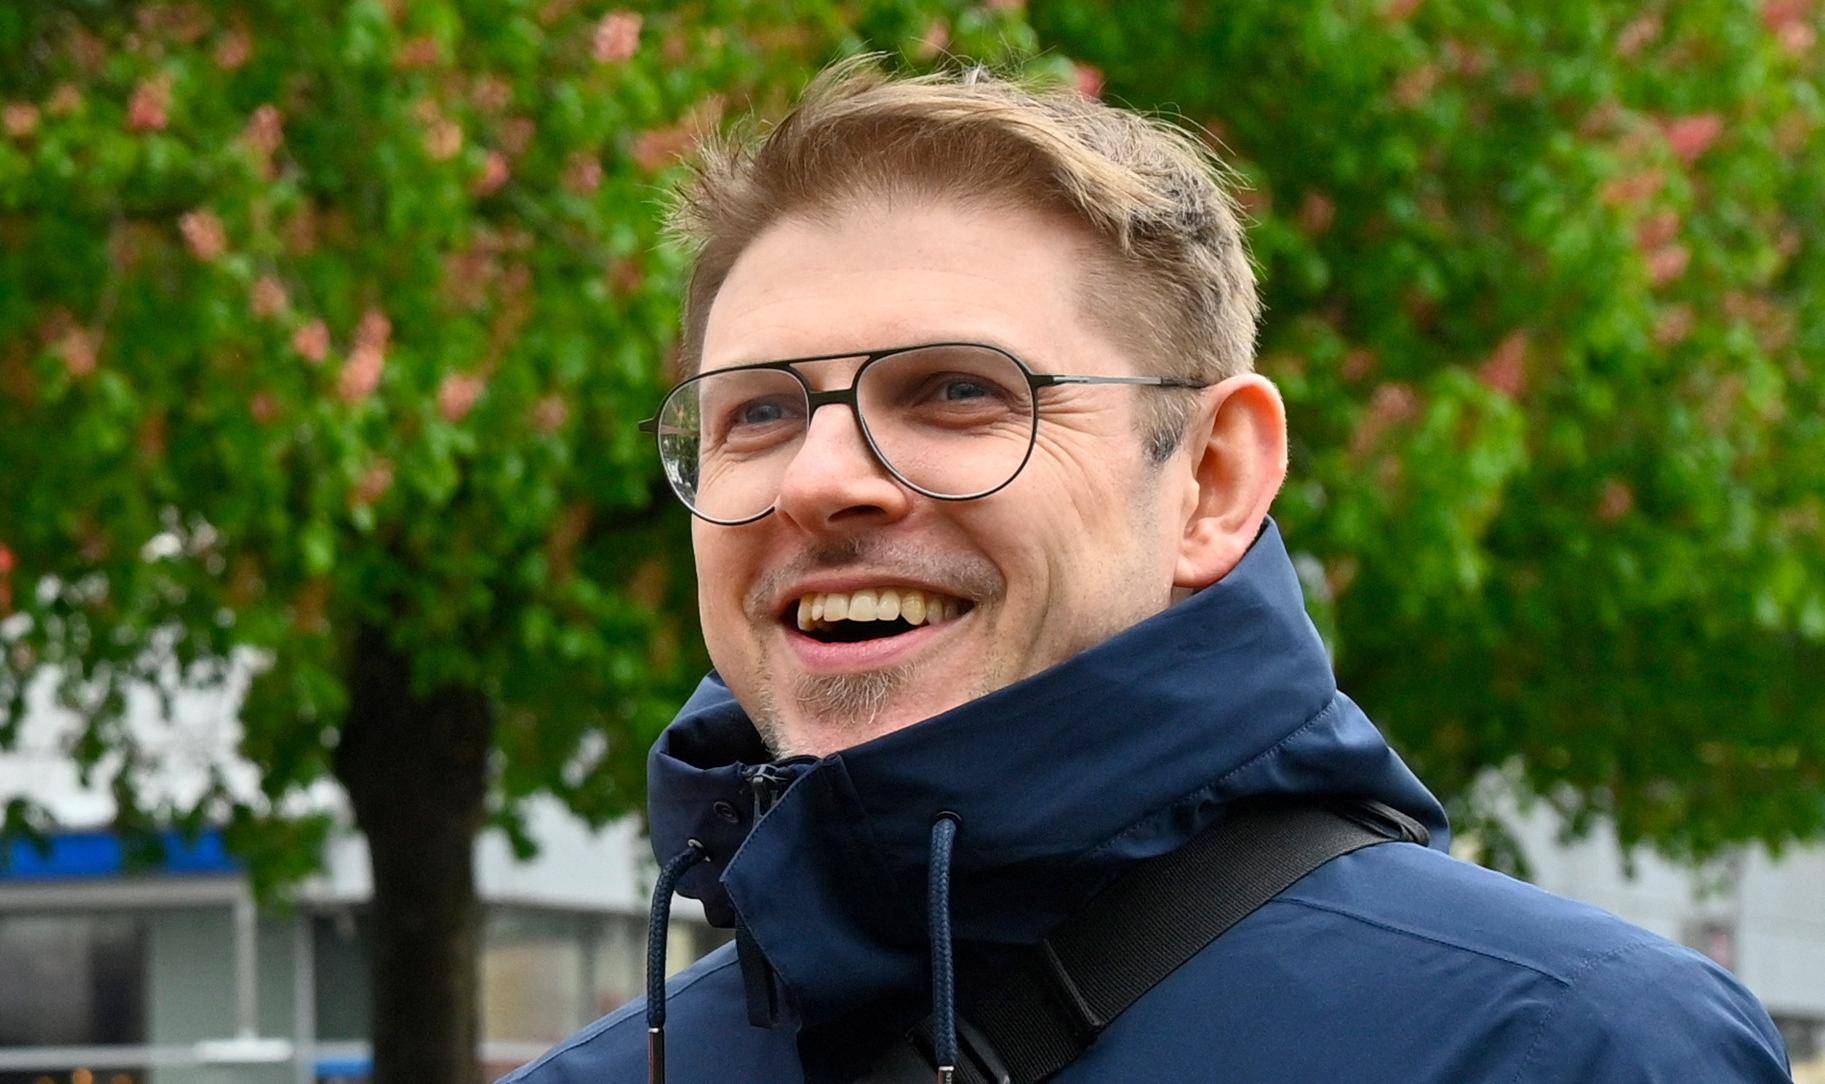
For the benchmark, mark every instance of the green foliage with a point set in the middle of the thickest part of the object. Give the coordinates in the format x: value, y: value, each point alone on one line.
x: 1546, y: 293
x: 319, y: 315
x: 352, y: 307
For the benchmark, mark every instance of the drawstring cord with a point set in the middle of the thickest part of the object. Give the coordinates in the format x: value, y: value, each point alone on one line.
x: 938, y: 927
x: 656, y: 930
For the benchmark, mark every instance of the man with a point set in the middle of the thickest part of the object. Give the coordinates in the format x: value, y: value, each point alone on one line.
x: 981, y: 479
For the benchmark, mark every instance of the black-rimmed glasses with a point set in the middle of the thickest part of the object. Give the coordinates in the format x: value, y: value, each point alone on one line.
x: 954, y: 421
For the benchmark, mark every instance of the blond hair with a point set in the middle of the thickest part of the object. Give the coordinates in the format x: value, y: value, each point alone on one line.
x: 1170, y: 280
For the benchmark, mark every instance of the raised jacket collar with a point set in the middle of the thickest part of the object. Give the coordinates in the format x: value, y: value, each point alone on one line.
x: 1120, y: 753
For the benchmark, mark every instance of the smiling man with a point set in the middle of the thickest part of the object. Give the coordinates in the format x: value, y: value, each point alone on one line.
x: 1021, y: 760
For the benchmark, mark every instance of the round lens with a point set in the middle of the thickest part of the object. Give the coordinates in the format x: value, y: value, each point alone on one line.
x: 726, y: 438
x: 953, y: 421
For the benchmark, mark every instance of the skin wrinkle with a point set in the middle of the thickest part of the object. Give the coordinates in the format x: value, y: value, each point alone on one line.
x: 1088, y: 540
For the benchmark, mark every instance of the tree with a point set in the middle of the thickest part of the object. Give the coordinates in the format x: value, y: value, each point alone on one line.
x: 324, y: 329
x: 1545, y: 289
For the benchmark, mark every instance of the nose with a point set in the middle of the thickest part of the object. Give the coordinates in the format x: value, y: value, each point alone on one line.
x: 834, y: 481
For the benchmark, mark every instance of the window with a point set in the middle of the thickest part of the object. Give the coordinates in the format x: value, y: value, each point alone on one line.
x: 72, y: 980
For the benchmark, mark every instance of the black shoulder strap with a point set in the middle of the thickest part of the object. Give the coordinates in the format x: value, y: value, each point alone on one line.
x: 1142, y: 927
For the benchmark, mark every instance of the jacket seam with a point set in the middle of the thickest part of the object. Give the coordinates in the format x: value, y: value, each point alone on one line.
x: 1539, y: 1037
x: 1381, y: 924
x: 607, y: 1024
x: 1215, y: 785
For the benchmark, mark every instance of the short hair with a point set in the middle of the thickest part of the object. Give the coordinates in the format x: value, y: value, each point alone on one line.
x: 1170, y: 279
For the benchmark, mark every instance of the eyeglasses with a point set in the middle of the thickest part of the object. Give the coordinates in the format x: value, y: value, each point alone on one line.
x: 953, y: 421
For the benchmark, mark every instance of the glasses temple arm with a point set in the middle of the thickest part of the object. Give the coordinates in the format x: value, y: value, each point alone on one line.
x: 1046, y: 380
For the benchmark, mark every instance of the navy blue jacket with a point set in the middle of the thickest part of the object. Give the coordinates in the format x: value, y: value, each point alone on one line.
x: 1395, y: 963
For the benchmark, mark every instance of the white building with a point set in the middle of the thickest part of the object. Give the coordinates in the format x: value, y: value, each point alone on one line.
x: 170, y: 975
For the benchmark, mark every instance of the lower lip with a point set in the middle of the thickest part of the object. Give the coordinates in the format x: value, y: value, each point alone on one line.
x: 822, y: 658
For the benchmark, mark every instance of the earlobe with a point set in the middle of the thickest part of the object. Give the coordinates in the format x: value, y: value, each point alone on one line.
x: 1238, y: 461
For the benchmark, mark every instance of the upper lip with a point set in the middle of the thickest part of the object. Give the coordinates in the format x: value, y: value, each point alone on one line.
x: 855, y: 581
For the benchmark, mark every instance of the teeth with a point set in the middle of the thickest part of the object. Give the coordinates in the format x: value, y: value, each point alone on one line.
x: 877, y: 604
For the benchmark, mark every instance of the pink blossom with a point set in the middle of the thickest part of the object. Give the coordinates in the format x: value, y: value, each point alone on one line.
x: 516, y: 135
x: 1675, y: 325
x: 494, y: 175
x: 550, y: 414
x: 626, y: 276
x: 204, y: 234
x: 361, y: 374
x: 1525, y: 83
x: 617, y: 37
x: 457, y: 395
x: 265, y: 129
x: 583, y: 173
x: 935, y: 40
x: 1357, y: 363
x: 1505, y: 370
x: 1779, y: 13
x: 1316, y: 212
x: 1667, y: 263
x: 149, y: 109
x: 20, y: 119
x: 80, y: 349
x: 443, y: 139
x: 1416, y: 86
x: 1637, y: 34
x: 312, y: 340
x: 1690, y: 136
x: 373, y: 483
x: 234, y: 50
x: 1466, y: 59
x: 1618, y: 498
x: 7, y: 561
x: 419, y: 52
x: 1400, y: 11
x: 375, y: 329
x: 1657, y: 231
x: 66, y: 99
x: 491, y: 93
x: 654, y: 150
x: 1392, y: 404
x: 263, y: 406
x: 1634, y: 188
x: 1797, y: 37
x: 1088, y: 79
x: 268, y: 297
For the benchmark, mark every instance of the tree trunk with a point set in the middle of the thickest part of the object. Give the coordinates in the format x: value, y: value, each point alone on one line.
x: 416, y: 771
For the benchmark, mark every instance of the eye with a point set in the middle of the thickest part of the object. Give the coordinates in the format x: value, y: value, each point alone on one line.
x: 962, y: 388
x: 760, y: 412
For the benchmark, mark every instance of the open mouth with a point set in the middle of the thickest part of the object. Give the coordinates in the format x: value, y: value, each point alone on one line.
x: 850, y: 617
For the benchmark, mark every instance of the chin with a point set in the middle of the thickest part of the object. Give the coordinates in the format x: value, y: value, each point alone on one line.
x: 860, y: 717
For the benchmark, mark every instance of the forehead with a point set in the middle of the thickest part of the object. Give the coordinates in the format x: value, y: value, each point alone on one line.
x: 894, y: 276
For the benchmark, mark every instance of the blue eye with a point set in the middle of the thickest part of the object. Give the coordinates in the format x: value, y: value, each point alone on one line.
x: 760, y: 412
x: 963, y: 389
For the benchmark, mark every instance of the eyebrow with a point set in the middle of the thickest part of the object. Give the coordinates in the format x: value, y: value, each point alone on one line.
x: 994, y: 341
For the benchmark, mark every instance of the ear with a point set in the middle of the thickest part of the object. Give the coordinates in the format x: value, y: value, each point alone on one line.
x: 1237, y: 460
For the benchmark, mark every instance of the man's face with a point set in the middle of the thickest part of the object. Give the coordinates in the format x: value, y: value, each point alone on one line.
x: 1080, y: 546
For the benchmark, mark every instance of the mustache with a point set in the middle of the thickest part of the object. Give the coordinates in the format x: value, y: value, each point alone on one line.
x: 967, y: 576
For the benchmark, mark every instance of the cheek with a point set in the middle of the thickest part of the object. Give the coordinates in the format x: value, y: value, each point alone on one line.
x: 1086, y: 479
x: 720, y: 576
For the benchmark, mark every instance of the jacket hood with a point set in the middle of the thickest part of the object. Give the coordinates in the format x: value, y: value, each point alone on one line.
x: 1122, y: 752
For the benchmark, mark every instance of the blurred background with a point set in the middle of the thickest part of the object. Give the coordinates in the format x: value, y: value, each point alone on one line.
x: 340, y: 599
